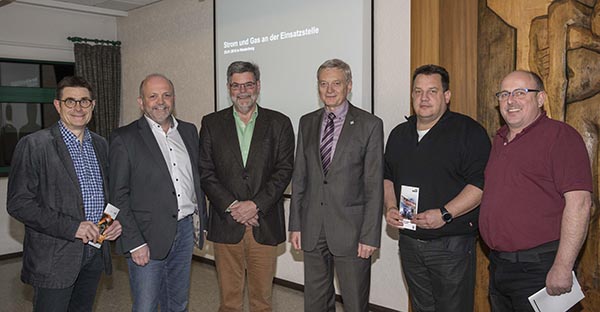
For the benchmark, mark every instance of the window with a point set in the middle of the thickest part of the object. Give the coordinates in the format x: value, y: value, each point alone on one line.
x: 27, y: 89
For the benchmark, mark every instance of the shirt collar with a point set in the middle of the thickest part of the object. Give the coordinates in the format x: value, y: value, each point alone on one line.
x: 154, y: 125
x: 340, y: 111
x: 236, y: 115
x: 68, y: 136
x: 503, y: 131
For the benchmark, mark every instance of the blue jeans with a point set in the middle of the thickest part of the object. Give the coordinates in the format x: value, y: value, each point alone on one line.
x: 168, y: 280
x: 440, y: 273
x: 78, y: 297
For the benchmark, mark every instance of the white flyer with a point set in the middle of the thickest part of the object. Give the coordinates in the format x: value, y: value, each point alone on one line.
x: 542, y: 302
x: 409, y: 206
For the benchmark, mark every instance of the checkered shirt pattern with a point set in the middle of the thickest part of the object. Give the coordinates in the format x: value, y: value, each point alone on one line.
x: 88, y: 172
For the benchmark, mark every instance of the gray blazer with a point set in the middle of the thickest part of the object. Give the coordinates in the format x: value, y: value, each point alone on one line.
x: 44, y: 194
x: 348, y: 202
x: 265, y: 177
x: 141, y: 186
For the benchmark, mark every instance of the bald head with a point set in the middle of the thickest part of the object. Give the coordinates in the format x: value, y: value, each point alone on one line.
x: 522, y: 99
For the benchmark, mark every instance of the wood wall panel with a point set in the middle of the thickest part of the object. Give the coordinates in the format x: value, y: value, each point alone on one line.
x: 424, y: 33
x: 458, y: 52
x: 444, y: 32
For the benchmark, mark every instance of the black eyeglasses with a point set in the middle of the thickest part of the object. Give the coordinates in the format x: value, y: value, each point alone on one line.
x: 248, y: 85
x: 516, y: 93
x: 84, y: 103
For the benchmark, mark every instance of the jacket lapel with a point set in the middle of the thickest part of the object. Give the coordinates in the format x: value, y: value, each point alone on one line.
x: 189, y: 142
x: 65, y: 158
x: 315, y: 125
x: 345, y: 135
x: 229, y: 131
x: 261, y: 126
x: 150, y: 142
x: 101, y: 156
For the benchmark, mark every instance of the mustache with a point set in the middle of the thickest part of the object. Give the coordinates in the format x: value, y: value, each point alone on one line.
x: 243, y: 95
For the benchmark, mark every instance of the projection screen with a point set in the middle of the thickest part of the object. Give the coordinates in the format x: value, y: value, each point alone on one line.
x: 288, y: 40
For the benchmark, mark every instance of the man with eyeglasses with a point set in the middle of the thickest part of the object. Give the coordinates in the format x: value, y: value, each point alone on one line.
x: 247, y: 155
x: 435, y: 161
x: 58, y: 189
x: 155, y: 181
x: 537, y: 198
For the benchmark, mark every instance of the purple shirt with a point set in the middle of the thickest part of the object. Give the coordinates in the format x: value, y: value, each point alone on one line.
x: 525, y: 181
x: 340, y: 115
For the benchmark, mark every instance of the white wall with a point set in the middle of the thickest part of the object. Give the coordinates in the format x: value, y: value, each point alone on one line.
x: 35, y: 33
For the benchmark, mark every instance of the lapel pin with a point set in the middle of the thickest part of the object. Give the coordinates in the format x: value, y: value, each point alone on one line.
x: 351, y: 122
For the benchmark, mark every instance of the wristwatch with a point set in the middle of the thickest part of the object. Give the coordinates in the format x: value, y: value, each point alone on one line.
x: 446, y: 216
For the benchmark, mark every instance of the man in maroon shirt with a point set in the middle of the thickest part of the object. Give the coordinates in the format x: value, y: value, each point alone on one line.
x: 536, y: 199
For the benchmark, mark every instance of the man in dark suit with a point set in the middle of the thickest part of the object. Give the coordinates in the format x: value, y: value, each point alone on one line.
x: 155, y: 181
x: 246, y: 158
x: 58, y: 189
x: 337, y: 194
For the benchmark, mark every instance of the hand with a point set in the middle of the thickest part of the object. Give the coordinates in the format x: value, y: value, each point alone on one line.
x: 429, y: 219
x: 393, y: 217
x: 243, y: 211
x: 295, y: 240
x: 141, y: 256
x: 253, y: 221
x: 87, y: 231
x: 558, y: 281
x: 365, y: 251
x: 113, y: 231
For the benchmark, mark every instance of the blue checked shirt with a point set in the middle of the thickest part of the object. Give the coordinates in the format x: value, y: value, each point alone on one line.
x: 88, y: 172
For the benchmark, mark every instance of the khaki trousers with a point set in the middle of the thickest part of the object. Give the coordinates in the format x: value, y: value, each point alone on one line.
x: 233, y: 261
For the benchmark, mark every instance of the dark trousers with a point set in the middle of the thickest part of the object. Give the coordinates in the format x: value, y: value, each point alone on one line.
x: 354, y: 277
x: 514, y: 276
x: 80, y: 296
x: 440, y: 273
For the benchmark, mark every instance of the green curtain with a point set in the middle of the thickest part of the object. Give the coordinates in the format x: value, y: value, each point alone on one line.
x: 101, y: 66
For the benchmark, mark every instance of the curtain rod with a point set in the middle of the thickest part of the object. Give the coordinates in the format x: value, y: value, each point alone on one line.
x: 97, y: 41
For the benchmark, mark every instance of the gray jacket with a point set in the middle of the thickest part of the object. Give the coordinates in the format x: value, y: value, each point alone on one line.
x: 44, y: 194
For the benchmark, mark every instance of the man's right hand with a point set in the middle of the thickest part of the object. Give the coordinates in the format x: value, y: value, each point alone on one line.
x: 295, y: 240
x: 87, y: 231
x: 253, y: 221
x: 141, y: 256
x: 393, y: 217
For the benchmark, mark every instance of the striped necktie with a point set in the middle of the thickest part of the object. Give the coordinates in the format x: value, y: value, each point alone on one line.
x: 327, y: 143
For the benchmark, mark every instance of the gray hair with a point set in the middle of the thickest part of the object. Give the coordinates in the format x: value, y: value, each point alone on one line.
x: 339, y: 64
x: 239, y: 67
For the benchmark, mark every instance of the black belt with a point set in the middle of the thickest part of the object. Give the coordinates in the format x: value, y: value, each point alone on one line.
x: 528, y: 255
x: 185, y: 218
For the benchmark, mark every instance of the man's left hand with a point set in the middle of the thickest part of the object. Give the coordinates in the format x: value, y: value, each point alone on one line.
x: 558, y: 281
x: 113, y: 231
x: 243, y: 211
x: 429, y: 219
x: 365, y: 251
